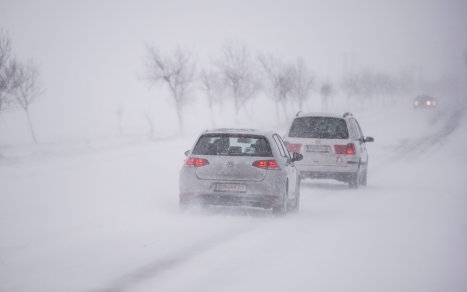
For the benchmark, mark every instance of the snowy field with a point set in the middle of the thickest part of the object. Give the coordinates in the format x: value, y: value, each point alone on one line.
x: 103, y: 216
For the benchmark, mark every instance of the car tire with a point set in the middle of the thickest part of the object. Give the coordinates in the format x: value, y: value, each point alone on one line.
x: 355, y: 179
x: 281, y: 210
x: 295, y: 207
x: 353, y: 183
x: 363, y: 179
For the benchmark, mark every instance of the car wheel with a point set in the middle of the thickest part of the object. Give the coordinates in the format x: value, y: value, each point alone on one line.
x: 353, y: 183
x: 281, y: 210
x: 363, y: 179
x: 355, y: 179
x: 296, y: 203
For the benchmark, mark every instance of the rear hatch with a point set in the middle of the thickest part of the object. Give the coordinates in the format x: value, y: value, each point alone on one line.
x: 231, y: 168
x: 320, y: 151
x: 321, y: 140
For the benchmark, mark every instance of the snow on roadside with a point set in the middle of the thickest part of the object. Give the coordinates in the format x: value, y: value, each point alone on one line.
x: 104, y: 215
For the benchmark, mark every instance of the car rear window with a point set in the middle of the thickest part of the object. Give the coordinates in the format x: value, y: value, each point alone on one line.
x: 319, y: 127
x: 233, y: 145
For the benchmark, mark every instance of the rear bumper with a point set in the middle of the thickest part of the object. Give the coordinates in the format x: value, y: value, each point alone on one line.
x: 263, y: 194
x: 346, y: 167
x: 226, y: 199
x: 340, y: 176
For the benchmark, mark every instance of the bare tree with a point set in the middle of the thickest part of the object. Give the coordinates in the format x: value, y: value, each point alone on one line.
x: 28, y: 89
x: 351, y: 86
x: 212, y: 89
x: 303, y: 83
x: 237, y: 69
x: 327, y: 90
x: 370, y: 86
x: 280, y: 79
x: 8, y: 72
x: 177, y: 71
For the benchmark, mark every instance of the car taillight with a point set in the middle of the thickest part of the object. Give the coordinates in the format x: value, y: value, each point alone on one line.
x: 266, y: 164
x: 197, y: 162
x: 293, y: 147
x: 348, y: 149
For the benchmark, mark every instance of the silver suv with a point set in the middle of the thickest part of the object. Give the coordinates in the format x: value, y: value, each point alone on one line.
x: 333, y: 146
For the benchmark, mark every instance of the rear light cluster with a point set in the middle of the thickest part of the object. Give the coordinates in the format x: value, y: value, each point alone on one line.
x: 293, y: 147
x: 266, y: 164
x: 348, y: 149
x: 197, y: 162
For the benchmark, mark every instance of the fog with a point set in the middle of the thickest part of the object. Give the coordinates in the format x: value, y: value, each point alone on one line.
x: 103, y: 216
x: 93, y: 208
x: 91, y: 54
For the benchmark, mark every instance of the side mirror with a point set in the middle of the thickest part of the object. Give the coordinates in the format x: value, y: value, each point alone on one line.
x: 369, y: 139
x: 297, y: 156
x: 187, y: 153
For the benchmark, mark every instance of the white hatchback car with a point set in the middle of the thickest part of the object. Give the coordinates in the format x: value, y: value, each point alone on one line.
x: 241, y: 168
x: 333, y: 146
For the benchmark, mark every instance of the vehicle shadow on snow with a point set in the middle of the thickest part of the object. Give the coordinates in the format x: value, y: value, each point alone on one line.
x: 233, y: 211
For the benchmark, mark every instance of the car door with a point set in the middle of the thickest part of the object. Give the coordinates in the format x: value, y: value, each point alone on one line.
x: 290, y: 169
x: 360, y: 140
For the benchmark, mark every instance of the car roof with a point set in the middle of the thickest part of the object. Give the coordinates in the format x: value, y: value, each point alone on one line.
x: 238, y: 131
x: 327, y: 115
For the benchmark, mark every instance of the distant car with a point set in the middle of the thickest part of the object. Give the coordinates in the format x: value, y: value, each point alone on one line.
x: 333, y: 147
x: 238, y: 167
x: 424, y: 101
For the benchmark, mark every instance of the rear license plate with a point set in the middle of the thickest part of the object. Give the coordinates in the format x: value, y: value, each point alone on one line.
x: 239, y: 188
x: 318, y: 148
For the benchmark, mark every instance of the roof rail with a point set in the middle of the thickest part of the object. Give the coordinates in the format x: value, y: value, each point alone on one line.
x: 347, y: 114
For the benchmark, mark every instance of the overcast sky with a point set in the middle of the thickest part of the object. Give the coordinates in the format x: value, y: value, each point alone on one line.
x: 90, y: 49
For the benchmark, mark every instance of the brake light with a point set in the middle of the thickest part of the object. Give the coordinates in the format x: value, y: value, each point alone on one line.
x: 266, y: 164
x: 348, y: 149
x: 293, y: 147
x: 196, y: 162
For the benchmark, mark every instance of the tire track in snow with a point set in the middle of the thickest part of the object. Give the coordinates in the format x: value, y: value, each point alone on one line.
x: 153, y: 269
x: 451, y: 121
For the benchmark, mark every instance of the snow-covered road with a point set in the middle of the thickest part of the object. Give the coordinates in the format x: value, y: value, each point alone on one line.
x: 104, y: 217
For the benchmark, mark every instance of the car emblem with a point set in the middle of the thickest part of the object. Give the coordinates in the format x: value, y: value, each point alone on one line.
x: 318, y: 141
x: 230, y: 164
